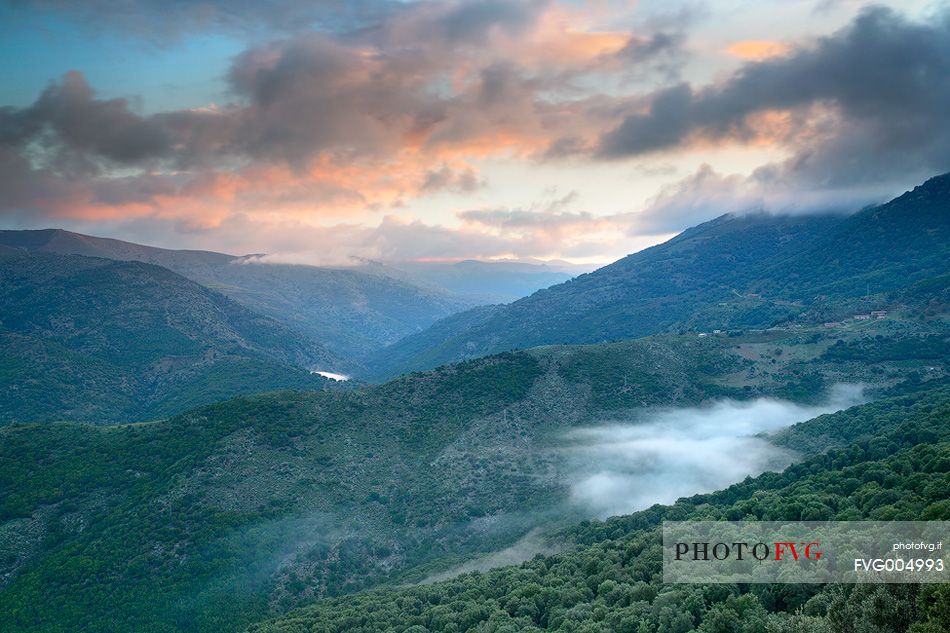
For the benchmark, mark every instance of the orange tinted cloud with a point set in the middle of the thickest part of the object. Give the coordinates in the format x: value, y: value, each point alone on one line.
x: 328, y: 189
x: 561, y: 38
x: 324, y: 125
x: 756, y: 50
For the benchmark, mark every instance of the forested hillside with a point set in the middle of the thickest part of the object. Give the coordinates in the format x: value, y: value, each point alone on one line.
x: 878, y: 250
x: 732, y: 272
x: 641, y: 294
x: 105, y: 341
x: 221, y: 516
x: 351, y: 311
x: 893, y: 464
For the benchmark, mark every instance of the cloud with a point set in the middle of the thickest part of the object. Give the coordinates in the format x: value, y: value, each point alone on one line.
x: 695, y: 199
x: 457, y: 23
x: 70, y: 132
x: 369, y: 106
x: 394, y: 239
x: 621, y: 467
x: 660, y: 52
x: 71, y: 154
x: 707, y: 194
x: 320, y: 121
x: 757, y: 49
x: 520, y: 219
x: 161, y: 22
x: 458, y: 77
x: 190, y: 221
x: 550, y: 230
x: 484, y: 234
x: 861, y: 104
x: 73, y: 127
x: 463, y: 180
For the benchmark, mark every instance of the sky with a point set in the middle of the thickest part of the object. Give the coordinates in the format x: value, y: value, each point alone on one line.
x: 395, y: 130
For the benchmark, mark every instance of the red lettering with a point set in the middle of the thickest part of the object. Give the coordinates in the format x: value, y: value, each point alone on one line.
x: 781, y: 546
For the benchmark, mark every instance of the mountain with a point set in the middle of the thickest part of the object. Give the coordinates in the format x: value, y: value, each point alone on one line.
x: 351, y: 311
x: 85, y: 338
x: 652, y: 290
x: 240, y: 510
x: 339, y: 509
x: 878, y: 250
x: 60, y: 242
x: 752, y: 270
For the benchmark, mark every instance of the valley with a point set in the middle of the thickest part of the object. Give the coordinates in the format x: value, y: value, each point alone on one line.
x: 468, y: 316
x: 611, y: 580
x: 292, y: 497
x: 189, y: 464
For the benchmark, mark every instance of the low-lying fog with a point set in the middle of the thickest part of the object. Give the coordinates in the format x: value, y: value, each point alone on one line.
x: 619, y: 467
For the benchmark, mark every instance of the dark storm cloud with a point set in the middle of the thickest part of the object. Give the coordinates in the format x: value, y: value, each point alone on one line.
x: 884, y: 82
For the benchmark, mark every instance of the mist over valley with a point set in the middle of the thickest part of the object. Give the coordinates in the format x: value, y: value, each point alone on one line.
x: 431, y: 316
x: 621, y: 467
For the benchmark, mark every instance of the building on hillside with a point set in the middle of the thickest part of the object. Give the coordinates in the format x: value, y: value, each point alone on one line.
x: 862, y: 317
x: 879, y: 314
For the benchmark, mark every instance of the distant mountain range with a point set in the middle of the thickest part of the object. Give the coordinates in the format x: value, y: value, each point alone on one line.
x: 121, y: 339
x: 220, y: 516
x: 98, y: 340
x: 101, y: 330
x: 752, y: 270
x: 350, y: 311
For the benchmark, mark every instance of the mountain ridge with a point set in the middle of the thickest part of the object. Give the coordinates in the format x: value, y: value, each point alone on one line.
x: 351, y: 311
x: 753, y: 270
x: 667, y: 281
x: 105, y: 340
